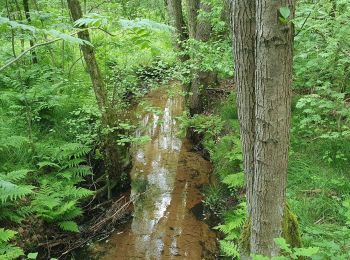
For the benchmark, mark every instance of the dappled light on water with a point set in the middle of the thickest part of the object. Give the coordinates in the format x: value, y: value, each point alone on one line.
x: 169, y: 176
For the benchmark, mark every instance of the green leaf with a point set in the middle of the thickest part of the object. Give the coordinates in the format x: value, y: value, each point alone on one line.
x: 69, y: 226
x: 281, y: 242
x: 32, y: 255
x: 284, y: 11
x: 6, y: 235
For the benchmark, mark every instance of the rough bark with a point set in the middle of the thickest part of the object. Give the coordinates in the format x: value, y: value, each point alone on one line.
x: 244, y: 54
x: 273, y: 80
x: 29, y: 20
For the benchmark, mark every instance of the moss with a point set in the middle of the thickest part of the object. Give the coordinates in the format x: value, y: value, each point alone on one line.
x: 244, y: 240
x: 290, y: 232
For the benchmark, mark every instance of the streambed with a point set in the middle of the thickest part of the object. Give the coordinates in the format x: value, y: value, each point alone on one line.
x: 164, y: 223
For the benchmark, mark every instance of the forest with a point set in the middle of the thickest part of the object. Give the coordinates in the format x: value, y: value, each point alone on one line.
x: 175, y: 129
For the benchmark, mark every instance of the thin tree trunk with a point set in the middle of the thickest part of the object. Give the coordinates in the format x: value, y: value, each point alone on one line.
x: 19, y: 11
x: 176, y: 17
x: 91, y: 62
x: 12, y: 30
x: 201, y: 79
x: 112, y: 156
x: 192, y: 12
x: 49, y: 47
x: 273, y: 80
x: 29, y: 20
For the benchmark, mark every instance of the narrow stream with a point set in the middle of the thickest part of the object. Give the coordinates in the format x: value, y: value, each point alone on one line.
x: 164, y: 224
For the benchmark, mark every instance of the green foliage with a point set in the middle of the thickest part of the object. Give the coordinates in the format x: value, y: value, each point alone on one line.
x: 209, y: 126
x: 233, y: 223
x: 9, y: 190
x: 213, y: 56
x: 288, y: 252
x: 7, y: 250
x: 321, y: 45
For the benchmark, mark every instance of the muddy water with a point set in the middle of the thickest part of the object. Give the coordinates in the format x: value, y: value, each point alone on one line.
x: 164, y: 225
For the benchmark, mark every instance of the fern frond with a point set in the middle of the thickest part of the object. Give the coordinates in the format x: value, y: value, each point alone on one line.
x: 69, y: 226
x: 48, y: 164
x: 229, y: 248
x: 15, y: 176
x: 235, y: 180
x: 10, y: 191
x: 6, y: 234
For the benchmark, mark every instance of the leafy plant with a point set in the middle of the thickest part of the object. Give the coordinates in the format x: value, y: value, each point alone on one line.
x: 232, y: 226
x: 288, y: 252
x: 7, y: 250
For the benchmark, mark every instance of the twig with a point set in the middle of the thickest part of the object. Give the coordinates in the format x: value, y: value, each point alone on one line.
x: 26, y: 51
x: 302, y: 26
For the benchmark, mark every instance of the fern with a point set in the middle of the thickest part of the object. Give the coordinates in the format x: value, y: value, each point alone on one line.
x: 231, y: 227
x: 57, y: 200
x: 7, y: 250
x: 6, y: 235
x: 10, y: 191
x: 235, y: 180
x: 229, y: 248
x: 16, y: 176
x: 69, y: 226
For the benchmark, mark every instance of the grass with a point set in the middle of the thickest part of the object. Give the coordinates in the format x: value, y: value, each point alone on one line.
x: 317, y: 189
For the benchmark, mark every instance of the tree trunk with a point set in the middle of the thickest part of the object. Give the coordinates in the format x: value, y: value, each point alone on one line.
x: 91, y: 62
x: 112, y: 155
x: 273, y: 80
x: 244, y: 53
x: 192, y: 12
x: 176, y: 18
x: 201, y: 79
x: 29, y: 20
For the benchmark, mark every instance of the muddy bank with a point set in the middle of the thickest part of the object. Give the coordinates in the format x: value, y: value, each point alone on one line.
x: 167, y: 219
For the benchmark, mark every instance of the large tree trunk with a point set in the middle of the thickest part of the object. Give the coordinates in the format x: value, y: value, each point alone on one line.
x: 29, y: 20
x: 273, y: 80
x: 177, y: 21
x: 244, y: 54
x: 111, y: 153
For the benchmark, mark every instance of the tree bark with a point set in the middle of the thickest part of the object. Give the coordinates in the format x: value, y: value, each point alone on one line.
x: 29, y: 20
x: 273, y: 80
x: 244, y: 54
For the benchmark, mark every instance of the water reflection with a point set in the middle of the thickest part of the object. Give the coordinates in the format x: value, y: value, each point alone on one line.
x: 162, y: 226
